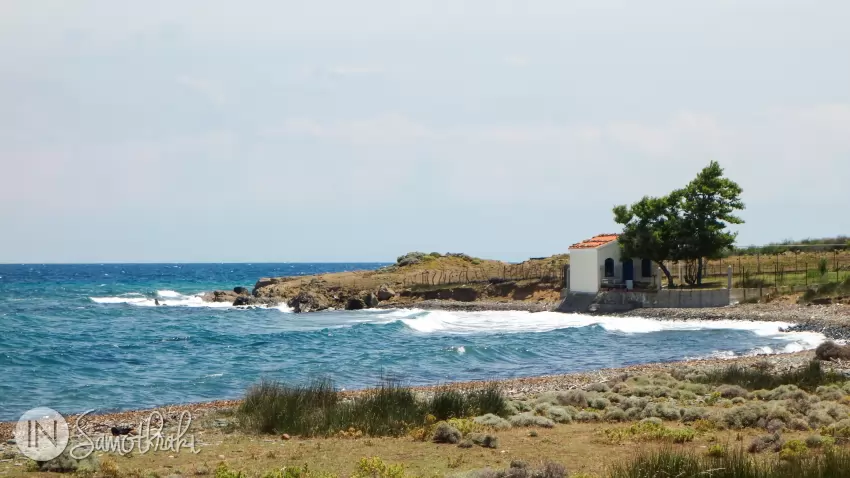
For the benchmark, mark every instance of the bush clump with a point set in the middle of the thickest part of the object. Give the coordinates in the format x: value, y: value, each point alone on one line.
x: 662, y: 410
x: 493, y: 421
x: 733, y: 464
x: 766, y: 442
x: 445, y: 433
x: 317, y: 409
x: 732, y: 391
x: 528, y: 419
x: 484, y: 440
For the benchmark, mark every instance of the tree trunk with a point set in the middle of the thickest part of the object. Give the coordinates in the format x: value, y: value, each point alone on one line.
x: 666, y: 273
x: 699, y: 271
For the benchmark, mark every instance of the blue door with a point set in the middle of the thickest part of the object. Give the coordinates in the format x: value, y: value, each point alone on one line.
x: 628, y: 270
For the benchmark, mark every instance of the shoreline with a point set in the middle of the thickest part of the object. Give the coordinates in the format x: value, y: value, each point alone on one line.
x: 513, y: 388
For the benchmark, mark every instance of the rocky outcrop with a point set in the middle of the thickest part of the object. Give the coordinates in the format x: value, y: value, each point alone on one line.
x: 241, y: 291
x: 249, y: 300
x: 220, y: 296
x: 370, y: 299
x: 309, y: 301
x: 385, y: 293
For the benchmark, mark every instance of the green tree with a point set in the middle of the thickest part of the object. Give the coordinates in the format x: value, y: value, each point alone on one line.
x: 689, y: 224
x: 650, y: 230
x: 708, y: 205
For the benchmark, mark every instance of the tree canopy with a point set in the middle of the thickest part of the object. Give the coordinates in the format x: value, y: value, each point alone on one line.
x: 689, y: 224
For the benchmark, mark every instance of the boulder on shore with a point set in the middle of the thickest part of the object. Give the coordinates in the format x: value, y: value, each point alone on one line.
x: 370, y: 299
x: 241, y: 290
x: 308, y: 301
x: 385, y: 293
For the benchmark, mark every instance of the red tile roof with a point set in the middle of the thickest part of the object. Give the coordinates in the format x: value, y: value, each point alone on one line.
x: 595, y: 241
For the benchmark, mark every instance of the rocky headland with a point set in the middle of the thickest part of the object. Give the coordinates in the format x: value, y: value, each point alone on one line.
x: 429, y: 280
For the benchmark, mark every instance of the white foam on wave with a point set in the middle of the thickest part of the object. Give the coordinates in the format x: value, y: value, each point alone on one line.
x: 518, y: 322
x: 170, y: 298
x: 176, y: 300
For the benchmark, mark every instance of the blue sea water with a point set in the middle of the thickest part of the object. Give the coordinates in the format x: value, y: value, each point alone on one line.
x: 80, y: 337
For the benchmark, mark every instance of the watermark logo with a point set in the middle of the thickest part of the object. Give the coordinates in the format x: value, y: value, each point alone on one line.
x: 41, y: 434
x: 149, y: 435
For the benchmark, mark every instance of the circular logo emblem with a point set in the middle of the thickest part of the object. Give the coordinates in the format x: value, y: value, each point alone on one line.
x: 41, y: 434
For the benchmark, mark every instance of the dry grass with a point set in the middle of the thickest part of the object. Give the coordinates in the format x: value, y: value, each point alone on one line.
x: 577, y: 446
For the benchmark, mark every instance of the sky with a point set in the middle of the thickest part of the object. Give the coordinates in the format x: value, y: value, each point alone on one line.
x: 332, y: 130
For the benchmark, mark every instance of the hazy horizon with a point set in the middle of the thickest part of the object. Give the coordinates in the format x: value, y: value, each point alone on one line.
x: 262, y: 132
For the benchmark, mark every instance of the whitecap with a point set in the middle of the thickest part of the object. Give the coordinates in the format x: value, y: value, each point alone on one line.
x: 168, y: 293
x: 524, y: 322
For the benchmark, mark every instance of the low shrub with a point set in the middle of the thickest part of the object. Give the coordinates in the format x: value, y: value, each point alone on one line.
x: 649, y: 431
x: 445, y: 433
x: 374, y: 467
x: 614, y: 415
x: 452, y: 401
x: 493, y: 421
x: 634, y: 402
x: 317, y: 409
x: 576, y: 398
x: 733, y: 464
x: 808, y: 377
x: 598, y: 387
x: 465, y: 425
x: 830, y: 392
x: 693, y: 414
x: 793, y: 450
x: 585, y: 416
x: 65, y: 463
x: 765, y: 442
x: 732, y: 391
x: 530, y: 420
x: 484, y: 440
x: 717, y: 450
x: 520, y: 469
x: 559, y: 414
x: 745, y: 416
x: 663, y: 410
x: 598, y: 403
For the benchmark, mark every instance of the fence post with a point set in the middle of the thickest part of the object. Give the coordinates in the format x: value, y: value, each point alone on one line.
x: 806, y: 274
x: 729, y: 277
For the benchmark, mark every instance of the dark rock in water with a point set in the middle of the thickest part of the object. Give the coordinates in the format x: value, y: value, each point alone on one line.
x: 220, y: 296
x: 385, y: 293
x: 308, y: 301
x: 242, y: 300
x: 370, y: 299
x: 355, y: 303
x: 241, y: 290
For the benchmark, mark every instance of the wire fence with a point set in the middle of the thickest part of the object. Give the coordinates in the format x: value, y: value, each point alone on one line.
x: 372, y: 280
x: 771, y: 271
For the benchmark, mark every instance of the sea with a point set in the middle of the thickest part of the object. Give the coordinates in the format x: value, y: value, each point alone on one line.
x: 90, y: 337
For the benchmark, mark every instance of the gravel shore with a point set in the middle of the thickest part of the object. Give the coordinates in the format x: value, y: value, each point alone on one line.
x: 830, y: 320
x: 515, y: 388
